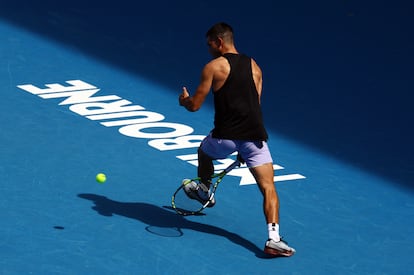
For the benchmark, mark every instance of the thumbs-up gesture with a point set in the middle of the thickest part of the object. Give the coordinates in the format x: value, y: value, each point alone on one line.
x: 183, y: 96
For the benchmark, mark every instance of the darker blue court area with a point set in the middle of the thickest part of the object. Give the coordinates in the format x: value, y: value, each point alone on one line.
x: 337, y: 102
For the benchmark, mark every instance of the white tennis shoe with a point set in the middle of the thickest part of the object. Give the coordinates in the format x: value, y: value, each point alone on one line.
x: 198, y: 192
x: 279, y: 248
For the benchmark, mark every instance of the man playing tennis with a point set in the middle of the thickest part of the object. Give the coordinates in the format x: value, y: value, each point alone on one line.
x: 236, y: 82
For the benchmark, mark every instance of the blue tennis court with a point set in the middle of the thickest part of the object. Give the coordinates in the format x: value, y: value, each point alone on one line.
x: 93, y: 87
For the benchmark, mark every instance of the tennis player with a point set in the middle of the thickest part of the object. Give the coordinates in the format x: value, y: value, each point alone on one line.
x: 236, y: 82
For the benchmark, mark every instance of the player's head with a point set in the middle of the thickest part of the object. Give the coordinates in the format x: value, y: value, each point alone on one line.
x: 220, y: 30
x: 218, y: 36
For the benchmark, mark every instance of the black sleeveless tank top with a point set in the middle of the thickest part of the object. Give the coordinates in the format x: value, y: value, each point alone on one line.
x: 238, y: 114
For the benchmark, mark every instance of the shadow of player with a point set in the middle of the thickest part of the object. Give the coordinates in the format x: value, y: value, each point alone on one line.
x: 159, y: 217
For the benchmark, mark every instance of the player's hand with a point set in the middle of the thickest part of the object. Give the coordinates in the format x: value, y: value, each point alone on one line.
x: 183, y: 96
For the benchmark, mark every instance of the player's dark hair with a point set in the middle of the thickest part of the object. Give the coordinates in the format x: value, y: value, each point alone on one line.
x: 222, y: 30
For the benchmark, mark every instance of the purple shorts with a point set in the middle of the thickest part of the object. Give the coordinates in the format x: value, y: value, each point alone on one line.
x: 254, y: 153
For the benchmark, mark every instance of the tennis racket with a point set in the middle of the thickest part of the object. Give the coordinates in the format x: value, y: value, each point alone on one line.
x: 185, y: 206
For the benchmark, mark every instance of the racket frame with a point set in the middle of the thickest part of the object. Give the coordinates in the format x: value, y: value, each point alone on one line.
x: 219, y: 177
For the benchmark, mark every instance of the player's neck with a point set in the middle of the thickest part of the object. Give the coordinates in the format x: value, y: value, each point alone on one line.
x: 233, y: 51
x: 229, y: 50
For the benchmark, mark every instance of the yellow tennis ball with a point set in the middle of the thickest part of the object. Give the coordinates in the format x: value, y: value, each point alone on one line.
x: 101, y: 178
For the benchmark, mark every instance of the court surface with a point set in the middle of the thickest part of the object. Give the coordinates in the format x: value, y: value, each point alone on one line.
x: 337, y: 103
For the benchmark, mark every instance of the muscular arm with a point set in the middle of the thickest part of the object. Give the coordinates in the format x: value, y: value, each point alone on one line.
x: 193, y: 103
x: 258, y: 79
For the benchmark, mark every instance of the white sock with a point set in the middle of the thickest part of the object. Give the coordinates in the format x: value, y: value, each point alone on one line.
x: 273, y: 231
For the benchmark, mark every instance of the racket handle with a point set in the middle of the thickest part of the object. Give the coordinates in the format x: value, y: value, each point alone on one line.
x: 232, y: 166
x: 240, y: 159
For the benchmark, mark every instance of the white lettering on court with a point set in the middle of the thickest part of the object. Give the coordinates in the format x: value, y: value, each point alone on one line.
x: 137, y: 122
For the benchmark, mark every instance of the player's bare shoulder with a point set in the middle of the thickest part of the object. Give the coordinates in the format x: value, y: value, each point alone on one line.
x: 257, y: 72
x: 257, y: 77
x: 218, y: 63
x: 220, y: 69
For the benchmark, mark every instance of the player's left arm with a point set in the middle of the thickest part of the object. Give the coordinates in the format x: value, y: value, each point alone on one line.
x: 193, y: 103
x: 258, y: 78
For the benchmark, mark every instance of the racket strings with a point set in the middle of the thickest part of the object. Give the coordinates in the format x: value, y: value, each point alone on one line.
x: 183, y: 203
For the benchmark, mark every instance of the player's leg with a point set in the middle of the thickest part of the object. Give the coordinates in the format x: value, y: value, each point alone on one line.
x: 260, y: 163
x: 259, y: 160
x: 205, y: 167
x: 209, y: 150
x: 264, y: 178
x: 274, y: 246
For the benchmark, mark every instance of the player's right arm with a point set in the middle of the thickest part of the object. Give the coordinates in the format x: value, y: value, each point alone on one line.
x: 193, y: 103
